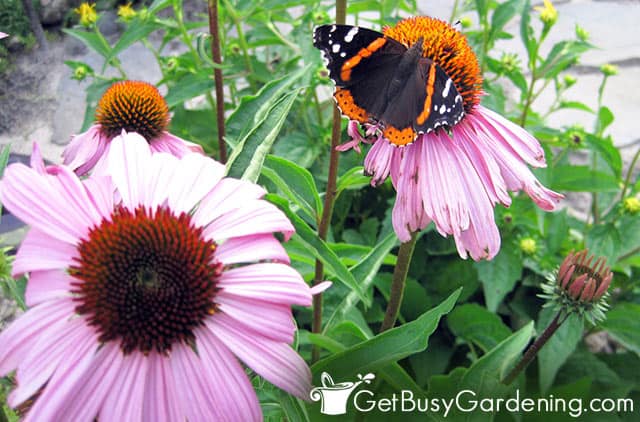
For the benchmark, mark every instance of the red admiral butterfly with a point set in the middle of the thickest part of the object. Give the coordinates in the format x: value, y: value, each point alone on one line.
x: 380, y: 80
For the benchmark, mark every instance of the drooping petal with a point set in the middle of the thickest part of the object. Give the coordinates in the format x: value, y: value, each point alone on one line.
x: 275, y: 361
x: 178, y: 147
x: 85, y: 150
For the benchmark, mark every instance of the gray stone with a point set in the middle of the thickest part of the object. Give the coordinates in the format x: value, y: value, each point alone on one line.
x: 52, y: 11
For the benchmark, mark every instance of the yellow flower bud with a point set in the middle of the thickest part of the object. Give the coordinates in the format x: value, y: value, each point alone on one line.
x: 88, y: 15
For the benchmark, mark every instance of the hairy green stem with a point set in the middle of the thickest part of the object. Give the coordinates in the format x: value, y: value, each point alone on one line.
x: 398, y: 282
x: 533, y: 350
x: 217, y: 75
x: 329, y: 198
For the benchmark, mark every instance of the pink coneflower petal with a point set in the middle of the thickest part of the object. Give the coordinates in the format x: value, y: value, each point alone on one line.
x: 3, y: 35
x: 45, y: 356
x: 267, y: 218
x: 85, y: 150
x: 174, y: 145
x: 229, y: 194
x: 89, y: 393
x: 197, y: 171
x: 124, y: 400
x: 523, y: 144
x: 251, y: 248
x: 228, y: 379
x: 57, y: 394
x: 54, y: 212
x: 39, y: 251
x: 274, y: 320
x: 378, y: 161
x: 121, y: 303
x: 276, y: 362
x: 127, y: 164
x: 47, y: 285
x: 321, y: 287
x: 160, y: 399
x: 194, y: 390
x: 272, y: 282
x: 23, y: 333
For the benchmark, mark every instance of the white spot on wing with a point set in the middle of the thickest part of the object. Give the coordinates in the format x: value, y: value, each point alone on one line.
x: 443, y: 109
x: 333, y: 28
x: 447, y: 86
x: 343, y: 54
x: 458, y: 98
x: 335, y: 48
x: 352, y: 33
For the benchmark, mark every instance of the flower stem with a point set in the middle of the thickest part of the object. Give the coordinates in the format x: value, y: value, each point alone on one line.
x: 329, y: 198
x: 533, y: 350
x: 398, y: 282
x: 217, y: 74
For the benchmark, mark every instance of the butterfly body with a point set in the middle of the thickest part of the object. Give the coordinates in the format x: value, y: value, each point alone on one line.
x: 380, y: 80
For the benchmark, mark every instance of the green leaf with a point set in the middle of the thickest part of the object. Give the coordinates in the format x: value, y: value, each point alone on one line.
x: 353, y: 179
x: 582, y: 179
x: 364, y: 272
x: 388, y: 347
x: 482, y: 8
x: 500, y: 275
x: 559, y: 347
x: 296, y: 183
x: 562, y: 55
x: 248, y: 156
x: 503, y: 14
x: 253, y: 109
x: 605, y: 118
x: 91, y: 40
x: 94, y: 93
x: 189, y: 86
x: 307, y: 236
x: 556, y: 229
x: 604, y: 240
x: 605, y: 148
x: 483, y: 378
x: 526, y: 32
x: 475, y: 324
x: 134, y: 32
x: 577, y: 105
x: 623, y: 324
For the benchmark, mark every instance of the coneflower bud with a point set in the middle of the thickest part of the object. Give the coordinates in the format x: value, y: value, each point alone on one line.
x: 580, y: 285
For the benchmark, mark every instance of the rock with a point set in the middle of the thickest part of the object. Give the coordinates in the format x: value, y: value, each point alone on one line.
x: 52, y: 11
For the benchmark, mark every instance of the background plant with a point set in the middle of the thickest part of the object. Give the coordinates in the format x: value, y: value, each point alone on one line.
x: 462, y: 320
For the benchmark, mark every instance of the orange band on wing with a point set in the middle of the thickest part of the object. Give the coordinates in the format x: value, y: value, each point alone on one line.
x: 348, y: 107
x: 345, y: 71
x: 426, y: 109
x: 400, y: 137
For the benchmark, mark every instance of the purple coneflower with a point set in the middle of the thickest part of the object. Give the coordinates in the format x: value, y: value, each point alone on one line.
x: 133, y: 106
x: 145, y: 290
x: 451, y: 173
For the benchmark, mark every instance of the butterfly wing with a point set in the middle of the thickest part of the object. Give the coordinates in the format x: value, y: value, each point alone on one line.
x: 361, y: 63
